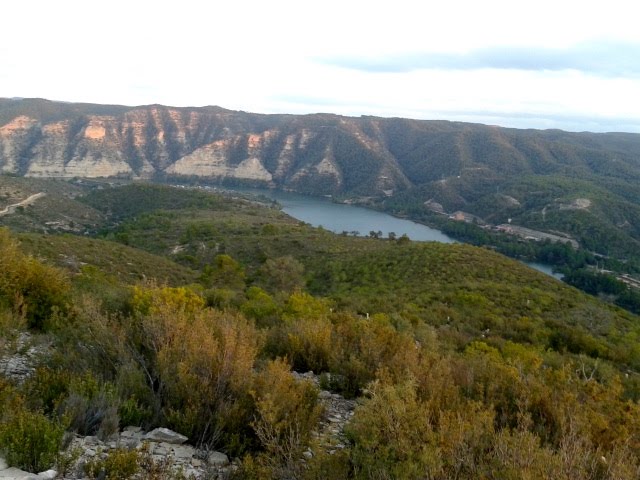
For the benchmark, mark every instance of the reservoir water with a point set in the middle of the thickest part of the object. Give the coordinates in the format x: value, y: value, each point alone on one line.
x: 338, y: 218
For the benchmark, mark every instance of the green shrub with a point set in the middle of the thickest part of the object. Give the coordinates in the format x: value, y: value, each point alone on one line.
x: 29, y: 287
x: 122, y: 464
x: 133, y: 412
x: 46, y: 388
x: 119, y: 464
x: 31, y: 441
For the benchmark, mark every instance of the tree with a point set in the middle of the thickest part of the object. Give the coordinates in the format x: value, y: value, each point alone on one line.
x: 282, y: 274
x: 225, y: 272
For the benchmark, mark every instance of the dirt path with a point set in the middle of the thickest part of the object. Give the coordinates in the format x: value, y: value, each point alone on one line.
x: 23, y: 203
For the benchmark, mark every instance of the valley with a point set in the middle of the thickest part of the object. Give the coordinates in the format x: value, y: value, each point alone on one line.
x: 278, y: 349
x: 581, y: 185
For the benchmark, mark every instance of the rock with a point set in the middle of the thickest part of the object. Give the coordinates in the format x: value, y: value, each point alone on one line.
x: 192, y: 473
x: 131, y: 437
x: 16, y: 474
x: 161, y: 448
x: 165, y: 435
x: 48, y: 474
x: 217, y: 459
x: 337, y: 413
x: 308, y: 454
x: 91, y: 440
x: 3, y: 463
x: 183, y: 452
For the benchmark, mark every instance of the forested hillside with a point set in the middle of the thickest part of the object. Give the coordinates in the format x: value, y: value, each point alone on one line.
x: 188, y: 310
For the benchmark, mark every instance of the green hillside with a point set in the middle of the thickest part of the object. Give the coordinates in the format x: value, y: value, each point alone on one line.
x: 465, y: 364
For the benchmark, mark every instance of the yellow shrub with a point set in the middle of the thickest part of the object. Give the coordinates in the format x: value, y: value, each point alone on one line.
x: 28, y: 286
x: 286, y: 412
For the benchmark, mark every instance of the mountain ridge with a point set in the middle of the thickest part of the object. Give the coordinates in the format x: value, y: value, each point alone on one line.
x: 53, y: 139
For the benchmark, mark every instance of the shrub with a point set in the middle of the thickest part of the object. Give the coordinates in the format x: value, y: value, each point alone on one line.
x: 361, y: 348
x: 286, y: 412
x: 31, y: 441
x: 133, y: 412
x: 28, y: 286
x: 119, y: 464
x: 199, y: 363
x: 392, y: 435
x: 260, y: 307
x: 123, y: 464
x: 306, y: 342
x: 92, y: 408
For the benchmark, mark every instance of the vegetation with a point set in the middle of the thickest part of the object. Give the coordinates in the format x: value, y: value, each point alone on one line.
x: 465, y: 364
x: 30, y: 440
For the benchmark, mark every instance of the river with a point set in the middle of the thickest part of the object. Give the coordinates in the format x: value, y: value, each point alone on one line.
x: 338, y: 218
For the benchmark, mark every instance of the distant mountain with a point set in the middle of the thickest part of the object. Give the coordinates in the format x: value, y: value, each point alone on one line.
x: 543, y: 179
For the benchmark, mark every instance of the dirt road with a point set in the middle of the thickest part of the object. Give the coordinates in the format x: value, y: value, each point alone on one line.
x: 23, y: 203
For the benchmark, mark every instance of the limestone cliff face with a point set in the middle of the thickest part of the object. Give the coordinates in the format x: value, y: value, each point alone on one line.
x: 45, y: 139
x: 317, y: 154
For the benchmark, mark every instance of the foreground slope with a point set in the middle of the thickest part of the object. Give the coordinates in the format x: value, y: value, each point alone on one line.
x: 465, y: 364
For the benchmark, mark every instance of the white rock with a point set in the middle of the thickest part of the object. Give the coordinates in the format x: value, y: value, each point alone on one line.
x: 3, y: 463
x: 161, y: 448
x: 165, y: 435
x: 48, y: 474
x: 192, y: 473
x: 16, y: 474
x: 217, y: 459
x: 92, y: 440
x: 183, y: 451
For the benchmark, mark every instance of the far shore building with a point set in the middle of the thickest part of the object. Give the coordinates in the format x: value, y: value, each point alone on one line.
x: 461, y: 216
x: 529, y: 234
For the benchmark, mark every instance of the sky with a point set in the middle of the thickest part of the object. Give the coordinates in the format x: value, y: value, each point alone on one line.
x: 573, y: 65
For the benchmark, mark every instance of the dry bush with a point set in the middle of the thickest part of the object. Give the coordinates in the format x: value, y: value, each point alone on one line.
x: 286, y: 412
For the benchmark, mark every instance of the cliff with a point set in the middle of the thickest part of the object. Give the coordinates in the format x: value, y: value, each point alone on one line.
x: 321, y: 153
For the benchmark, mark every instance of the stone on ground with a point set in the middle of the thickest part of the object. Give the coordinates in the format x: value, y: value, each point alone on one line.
x: 165, y: 435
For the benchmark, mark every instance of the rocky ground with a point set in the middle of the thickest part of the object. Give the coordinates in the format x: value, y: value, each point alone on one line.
x: 163, y: 450
x: 337, y: 413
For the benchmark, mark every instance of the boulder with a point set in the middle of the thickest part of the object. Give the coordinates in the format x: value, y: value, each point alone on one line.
x: 16, y: 474
x: 165, y: 435
x: 183, y: 452
x: 48, y: 474
x: 217, y: 459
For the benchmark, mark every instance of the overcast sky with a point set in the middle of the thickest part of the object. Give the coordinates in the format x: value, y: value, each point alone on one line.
x: 564, y: 64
